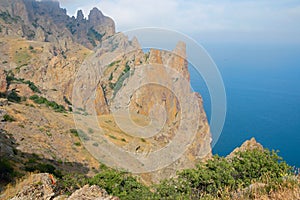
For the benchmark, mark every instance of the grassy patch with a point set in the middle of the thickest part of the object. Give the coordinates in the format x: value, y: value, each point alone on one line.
x: 21, y: 58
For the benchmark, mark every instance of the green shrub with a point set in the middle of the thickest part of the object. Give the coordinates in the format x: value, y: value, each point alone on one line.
x: 83, y: 135
x: 33, y: 166
x: 218, y: 178
x: 74, y: 132
x: 245, y: 168
x: 95, y: 144
x: 257, y: 165
x: 8, y: 118
x: 14, y: 97
x: 6, y: 170
x: 67, y: 101
x: 111, y: 77
x: 71, y: 182
x: 41, y: 100
x: 120, y: 184
x: 78, y: 144
x: 118, y: 85
x: 32, y: 86
x: 10, y: 77
x: 127, y: 68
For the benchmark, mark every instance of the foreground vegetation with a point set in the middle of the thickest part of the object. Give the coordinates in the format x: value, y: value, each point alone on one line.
x: 219, y: 178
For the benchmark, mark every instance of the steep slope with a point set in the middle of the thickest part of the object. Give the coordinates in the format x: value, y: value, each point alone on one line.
x: 43, y: 51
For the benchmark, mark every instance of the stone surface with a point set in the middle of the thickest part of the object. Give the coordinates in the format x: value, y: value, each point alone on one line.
x: 169, y: 99
x: 46, y: 48
x: 3, y: 83
x: 247, y: 145
x: 3, y: 102
x: 37, y: 186
x: 91, y: 193
x: 46, y: 21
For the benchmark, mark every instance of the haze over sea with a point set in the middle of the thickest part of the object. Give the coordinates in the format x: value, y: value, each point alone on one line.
x: 262, y: 85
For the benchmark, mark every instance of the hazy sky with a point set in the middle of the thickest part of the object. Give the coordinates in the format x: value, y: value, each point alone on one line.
x: 204, y: 20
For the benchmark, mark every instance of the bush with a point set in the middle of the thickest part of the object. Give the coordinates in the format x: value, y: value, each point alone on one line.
x: 10, y: 77
x: 74, y: 132
x: 33, y: 166
x: 41, y: 100
x: 220, y: 174
x: 71, y: 182
x: 8, y: 118
x: 14, y: 97
x: 32, y: 86
x: 67, y: 101
x: 120, y: 184
x: 217, y: 178
x: 258, y: 165
x: 6, y: 170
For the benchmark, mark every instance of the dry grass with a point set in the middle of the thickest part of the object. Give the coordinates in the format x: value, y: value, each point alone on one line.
x: 12, y: 189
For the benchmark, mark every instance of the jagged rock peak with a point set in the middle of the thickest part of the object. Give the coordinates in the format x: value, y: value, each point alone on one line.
x: 95, y: 15
x: 247, y: 145
x: 80, y: 15
x: 180, y: 49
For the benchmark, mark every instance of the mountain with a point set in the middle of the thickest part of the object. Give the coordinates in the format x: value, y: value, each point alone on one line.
x: 44, y: 52
x: 45, y: 21
x: 61, y: 77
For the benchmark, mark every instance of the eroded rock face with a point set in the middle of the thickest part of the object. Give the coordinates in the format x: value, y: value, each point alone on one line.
x: 3, y: 83
x: 247, y: 145
x: 37, y: 186
x: 154, y: 85
x: 45, y: 21
x: 91, y: 192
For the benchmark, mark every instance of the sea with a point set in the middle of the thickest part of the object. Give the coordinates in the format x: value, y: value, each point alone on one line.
x: 262, y: 83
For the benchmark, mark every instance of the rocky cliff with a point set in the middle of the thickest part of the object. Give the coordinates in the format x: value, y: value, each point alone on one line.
x: 46, y: 22
x: 42, y: 50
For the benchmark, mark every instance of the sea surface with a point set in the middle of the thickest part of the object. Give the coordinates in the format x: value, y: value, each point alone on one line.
x: 262, y: 83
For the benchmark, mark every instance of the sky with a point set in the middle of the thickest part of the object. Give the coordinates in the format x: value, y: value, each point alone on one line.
x: 269, y: 21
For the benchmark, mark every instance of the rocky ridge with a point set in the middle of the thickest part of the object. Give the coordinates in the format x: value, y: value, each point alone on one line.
x: 43, y: 49
x: 47, y: 22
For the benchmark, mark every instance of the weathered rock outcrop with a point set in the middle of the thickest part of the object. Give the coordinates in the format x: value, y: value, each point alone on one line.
x: 37, y: 186
x: 247, y: 145
x: 46, y: 21
x: 3, y: 83
x: 43, y: 186
x: 119, y: 74
x: 91, y: 192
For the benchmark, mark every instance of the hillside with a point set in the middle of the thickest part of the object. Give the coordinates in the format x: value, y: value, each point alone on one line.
x: 86, y: 111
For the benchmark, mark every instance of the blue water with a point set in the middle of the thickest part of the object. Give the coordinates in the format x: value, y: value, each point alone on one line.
x: 262, y: 85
